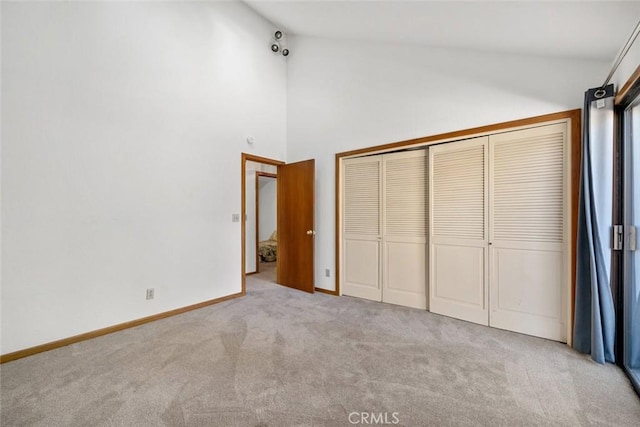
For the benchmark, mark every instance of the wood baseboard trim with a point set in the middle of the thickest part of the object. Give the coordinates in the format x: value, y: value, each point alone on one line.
x: 326, y: 291
x: 110, y: 329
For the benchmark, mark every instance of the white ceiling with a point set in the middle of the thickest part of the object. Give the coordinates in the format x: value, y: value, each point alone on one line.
x: 574, y: 29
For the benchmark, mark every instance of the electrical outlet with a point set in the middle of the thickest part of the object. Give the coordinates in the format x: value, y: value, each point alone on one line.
x: 150, y: 293
x: 327, y: 272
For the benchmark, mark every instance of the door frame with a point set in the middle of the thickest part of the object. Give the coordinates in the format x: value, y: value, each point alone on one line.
x: 258, y: 175
x: 573, y: 118
x: 625, y: 97
x: 244, y: 158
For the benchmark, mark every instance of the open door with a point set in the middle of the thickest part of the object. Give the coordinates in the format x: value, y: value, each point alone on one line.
x: 296, y: 182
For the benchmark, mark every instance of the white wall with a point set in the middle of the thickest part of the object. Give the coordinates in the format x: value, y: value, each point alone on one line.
x: 122, y: 127
x: 268, y: 207
x: 628, y: 65
x: 348, y: 95
x: 250, y: 222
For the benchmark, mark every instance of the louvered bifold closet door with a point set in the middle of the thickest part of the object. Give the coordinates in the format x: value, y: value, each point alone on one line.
x: 405, y: 229
x: 458, y: 261
x: 527, y: 241
x: 362, y: 195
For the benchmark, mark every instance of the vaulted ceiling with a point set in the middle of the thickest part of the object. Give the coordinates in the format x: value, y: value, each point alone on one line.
x: 573, y: 29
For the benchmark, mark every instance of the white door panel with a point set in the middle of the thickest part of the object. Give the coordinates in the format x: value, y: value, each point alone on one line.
x: 405, y: 275
x: 537, y: 275
x: 361, y: 251
x: 458, y: 237
x: 458, y: 289
x: 362, y: 268
x: 405, y: 229
x: 527, y: 195
x: 526, y: 295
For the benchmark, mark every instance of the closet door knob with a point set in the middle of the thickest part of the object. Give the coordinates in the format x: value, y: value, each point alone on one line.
x: 311, y: 232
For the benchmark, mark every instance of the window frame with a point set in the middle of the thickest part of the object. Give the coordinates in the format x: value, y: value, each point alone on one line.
x: 627, y: 99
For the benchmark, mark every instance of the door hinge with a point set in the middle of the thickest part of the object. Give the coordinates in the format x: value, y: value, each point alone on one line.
x: 617, y: 239
x: 623, y: 238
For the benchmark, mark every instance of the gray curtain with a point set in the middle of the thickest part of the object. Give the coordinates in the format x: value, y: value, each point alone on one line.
x: 594, y: 329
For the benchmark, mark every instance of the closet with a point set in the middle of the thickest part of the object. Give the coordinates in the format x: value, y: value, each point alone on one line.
x: 385, y: 228
x: 475, y: 229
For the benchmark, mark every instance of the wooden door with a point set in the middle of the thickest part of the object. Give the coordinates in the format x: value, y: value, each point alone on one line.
x: 361, y: 230
x: 527, y: 231
x: 296, y: 183
x: 458, y: 262
x: 404, y: 234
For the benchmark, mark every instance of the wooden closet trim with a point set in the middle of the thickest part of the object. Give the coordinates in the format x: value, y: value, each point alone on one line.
x: 575, y: 117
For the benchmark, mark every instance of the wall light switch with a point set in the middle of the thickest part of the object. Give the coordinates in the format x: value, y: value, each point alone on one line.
x: 327, y: 272
x: 235, y: 217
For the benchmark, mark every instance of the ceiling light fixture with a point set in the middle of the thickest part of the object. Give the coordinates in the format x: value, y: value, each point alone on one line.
x: 276, y: 47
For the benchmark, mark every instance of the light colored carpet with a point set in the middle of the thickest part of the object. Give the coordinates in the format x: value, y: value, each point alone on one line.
x: 279, y: 357
x: 268, y: 271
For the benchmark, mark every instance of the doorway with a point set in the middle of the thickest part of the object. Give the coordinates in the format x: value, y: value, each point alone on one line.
x: 294, y: 231
x: 266, y: 224
x: 260, y: 224
x: 253, y: 167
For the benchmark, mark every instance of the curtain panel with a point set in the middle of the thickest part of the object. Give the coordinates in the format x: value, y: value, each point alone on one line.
x: 594, y: 328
